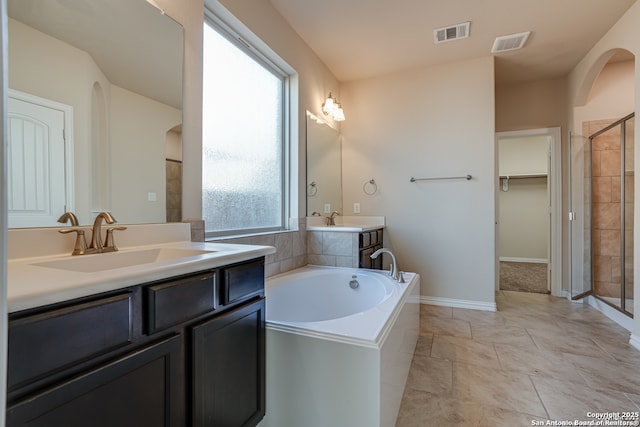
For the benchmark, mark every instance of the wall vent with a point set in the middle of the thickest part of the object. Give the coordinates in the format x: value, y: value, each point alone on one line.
x: 510, y: 42
x: 453, y: 32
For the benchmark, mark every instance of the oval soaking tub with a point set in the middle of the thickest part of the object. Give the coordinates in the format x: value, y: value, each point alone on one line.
x: 338, y: 355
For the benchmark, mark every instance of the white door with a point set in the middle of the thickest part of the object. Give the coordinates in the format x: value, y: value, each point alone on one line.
x: 36, y: 163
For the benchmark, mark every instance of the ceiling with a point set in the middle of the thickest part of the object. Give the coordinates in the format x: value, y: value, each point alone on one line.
x: 135, y: 46
x: 359, y: 39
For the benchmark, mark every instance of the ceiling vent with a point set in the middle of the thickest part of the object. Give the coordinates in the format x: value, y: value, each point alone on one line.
x: 510, y: 42
x: 453, y: 32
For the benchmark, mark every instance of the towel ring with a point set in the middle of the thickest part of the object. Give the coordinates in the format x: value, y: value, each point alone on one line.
x: 370, y: 187
x: 312, y: 189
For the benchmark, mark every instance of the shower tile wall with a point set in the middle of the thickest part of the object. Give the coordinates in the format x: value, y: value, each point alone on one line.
x: 606, y: 226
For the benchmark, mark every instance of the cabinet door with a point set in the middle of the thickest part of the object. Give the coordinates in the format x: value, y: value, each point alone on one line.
x: 228, y: 376
x: 137, y: 390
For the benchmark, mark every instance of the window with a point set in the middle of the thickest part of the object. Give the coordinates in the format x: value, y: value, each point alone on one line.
x: 244, y: 119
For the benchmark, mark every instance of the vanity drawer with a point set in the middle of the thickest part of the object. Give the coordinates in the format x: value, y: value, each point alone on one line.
x: 243, y: 281
x: 171, y: 303
x: 45, y: 343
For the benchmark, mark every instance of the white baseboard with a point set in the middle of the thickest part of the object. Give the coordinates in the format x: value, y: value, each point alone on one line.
x: 613, y: 314
x: 459, y: 303
x: 534, y: 260
x: 635, y: 341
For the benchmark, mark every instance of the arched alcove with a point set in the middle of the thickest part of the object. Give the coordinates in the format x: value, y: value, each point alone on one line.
x: 602, y: 182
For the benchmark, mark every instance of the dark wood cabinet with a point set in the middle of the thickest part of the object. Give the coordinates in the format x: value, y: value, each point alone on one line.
x: 369, y: 242
x: 228, y: 374
x: 183, y: 351
x: 136, y: 390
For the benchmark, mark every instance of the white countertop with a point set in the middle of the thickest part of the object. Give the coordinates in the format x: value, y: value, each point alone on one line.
x: 346, y: 224
x: 31, y: 285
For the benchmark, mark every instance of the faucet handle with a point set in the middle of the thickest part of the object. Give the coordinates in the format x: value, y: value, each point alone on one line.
x: 80, y: 247
x: 110, y: 245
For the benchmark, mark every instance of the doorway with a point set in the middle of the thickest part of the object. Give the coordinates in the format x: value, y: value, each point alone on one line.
x: 529, y: 211
x: 40, y: 170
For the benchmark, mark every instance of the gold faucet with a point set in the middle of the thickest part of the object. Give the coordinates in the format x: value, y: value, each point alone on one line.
x: 331, y: 220
x: 96, y: 238
x: 98, y: 244
x: 69, y: 216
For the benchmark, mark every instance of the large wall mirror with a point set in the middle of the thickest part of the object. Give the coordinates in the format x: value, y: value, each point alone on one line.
x: 324, y: 167
x: 94, y: 111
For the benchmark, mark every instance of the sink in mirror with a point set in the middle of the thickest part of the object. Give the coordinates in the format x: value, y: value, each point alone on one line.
x: 113, y: 260
x: 324, y: 166
x: 108, y: 75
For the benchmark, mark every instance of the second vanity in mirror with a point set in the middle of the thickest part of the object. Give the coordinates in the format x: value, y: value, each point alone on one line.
x: 95, y: 104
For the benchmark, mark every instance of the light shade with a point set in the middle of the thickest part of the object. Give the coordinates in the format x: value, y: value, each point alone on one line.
x: 332, y: 108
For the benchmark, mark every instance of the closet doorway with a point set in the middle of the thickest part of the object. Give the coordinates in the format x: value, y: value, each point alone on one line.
x: 528, y: 192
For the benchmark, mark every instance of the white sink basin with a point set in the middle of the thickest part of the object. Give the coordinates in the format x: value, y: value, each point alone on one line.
x: 112, y: 260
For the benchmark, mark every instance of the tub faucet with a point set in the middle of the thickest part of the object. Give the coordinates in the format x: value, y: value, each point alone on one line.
x: 331, y: 220
x: 393, y: 271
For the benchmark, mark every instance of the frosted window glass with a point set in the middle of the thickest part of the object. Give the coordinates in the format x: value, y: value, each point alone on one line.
x: 242, y: 140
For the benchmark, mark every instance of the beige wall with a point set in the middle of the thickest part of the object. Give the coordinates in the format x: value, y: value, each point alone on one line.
x: 430, y: 122
x: 625, y: 34
x: 611, y: 97
x: 138, y: 135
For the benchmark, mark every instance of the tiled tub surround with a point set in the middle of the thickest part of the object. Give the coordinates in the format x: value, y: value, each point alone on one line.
x: 339, y: 245
x: 297, y: 248
x: 606, y: 197
x: 291, y: 248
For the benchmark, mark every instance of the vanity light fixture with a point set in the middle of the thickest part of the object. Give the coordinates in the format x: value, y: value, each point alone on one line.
x: 332, y: 108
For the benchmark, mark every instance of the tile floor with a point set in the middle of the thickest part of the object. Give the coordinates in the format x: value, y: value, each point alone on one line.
x: 538, y: 358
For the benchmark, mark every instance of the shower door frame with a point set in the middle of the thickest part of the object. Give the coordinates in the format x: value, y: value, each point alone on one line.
x: 623, y: 139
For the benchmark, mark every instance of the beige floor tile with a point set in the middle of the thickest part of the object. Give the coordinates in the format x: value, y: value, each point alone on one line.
x: 539, y: 357
x: 423, y: 346
x: 498, y: 388
x: 478, y: 317
x: 422, y: 409
x: 436, y: 311
x: 444, y: 326
x: 619, y: 348
x: 565, y: 400
x: 608, y: 374
x: 431, y: 375
x: 533, y: 361
x: 503, y: 334
x: 562, y: 342
x: 465, y: 350
x: 635, y: 398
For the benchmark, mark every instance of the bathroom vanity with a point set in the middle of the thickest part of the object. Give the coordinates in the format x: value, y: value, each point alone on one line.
x: 348, y: 243
x: 178, y: 342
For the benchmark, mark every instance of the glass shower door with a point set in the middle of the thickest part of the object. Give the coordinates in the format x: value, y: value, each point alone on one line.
x: 580, y: 164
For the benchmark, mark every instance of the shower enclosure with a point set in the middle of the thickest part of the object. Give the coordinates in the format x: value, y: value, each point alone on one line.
x: 602, y: 189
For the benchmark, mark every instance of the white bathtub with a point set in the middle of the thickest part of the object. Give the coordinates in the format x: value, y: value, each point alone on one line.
x: 338, y: 356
